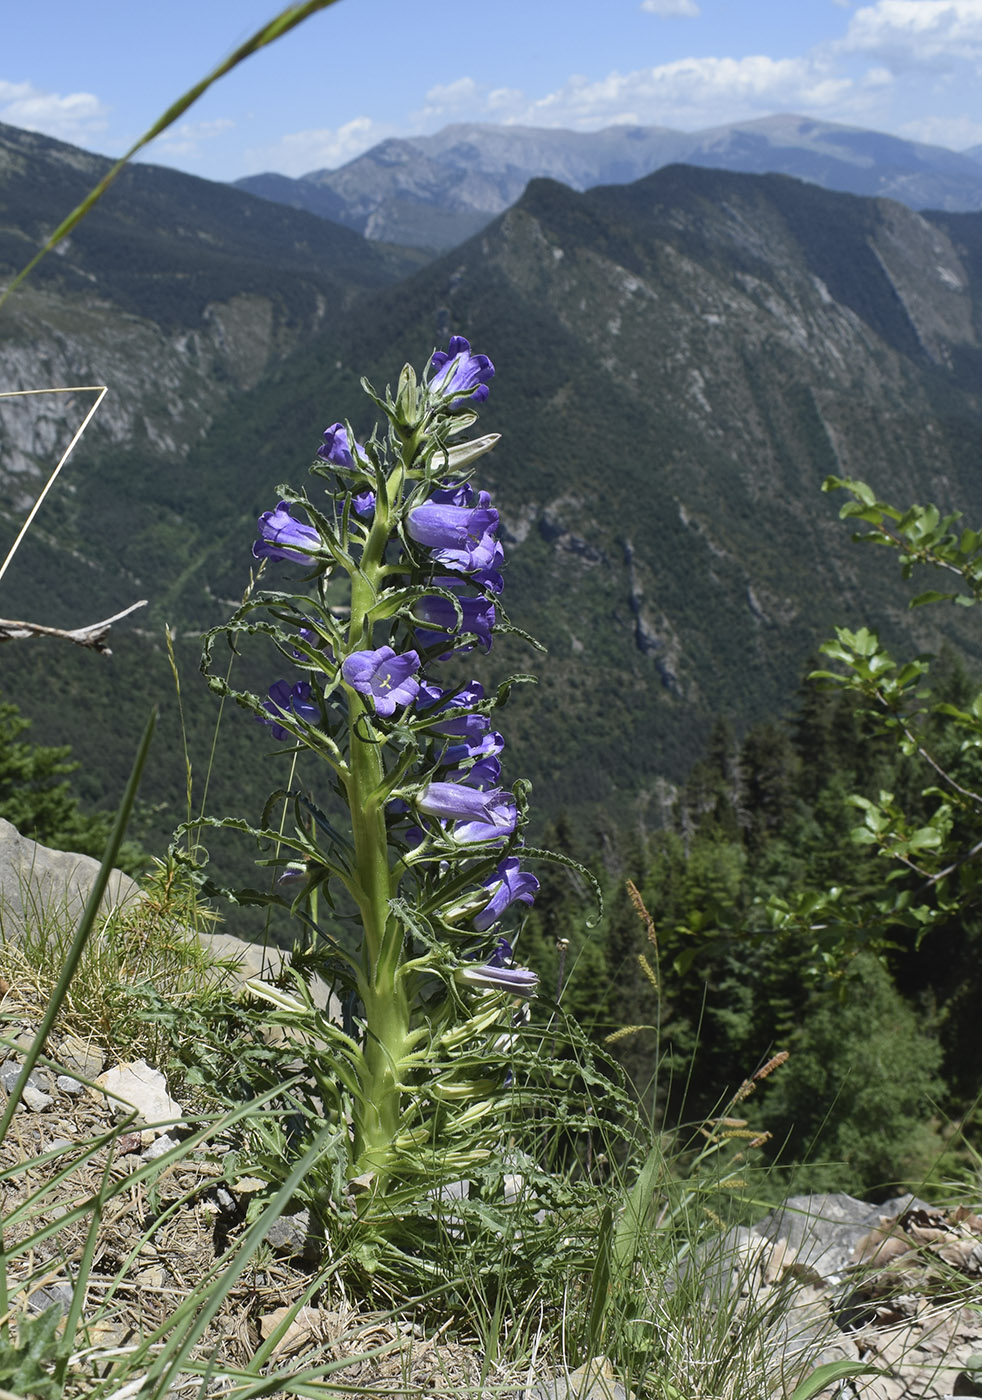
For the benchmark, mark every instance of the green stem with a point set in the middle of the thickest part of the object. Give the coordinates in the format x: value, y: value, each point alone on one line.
x: 387, y: 1036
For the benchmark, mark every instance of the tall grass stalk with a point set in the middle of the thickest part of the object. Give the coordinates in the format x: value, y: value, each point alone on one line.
x: 268, y: 34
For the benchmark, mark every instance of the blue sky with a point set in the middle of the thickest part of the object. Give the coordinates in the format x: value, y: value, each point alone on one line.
x: 97, y: 74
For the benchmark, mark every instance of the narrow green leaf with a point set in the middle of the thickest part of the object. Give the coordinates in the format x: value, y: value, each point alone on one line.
x: 828, y: 1374
x: 285, y: 21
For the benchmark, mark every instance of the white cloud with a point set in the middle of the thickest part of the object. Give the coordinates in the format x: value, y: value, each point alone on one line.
x: 688, y: 9
x: 450, y: 97
x: 691, y: 92
x: 323, y: 148
x: 957, y: 133
x: 186, y: 140
x: 502, y: 101
x: 75, y: 117
x: 904, y: 34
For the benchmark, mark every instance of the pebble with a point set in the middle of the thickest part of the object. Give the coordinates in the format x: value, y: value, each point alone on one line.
x: 159, y: 1146
x: 81, y: 1056
x: 43, y: 1298
x: 290, y: 1235
x: 69, y: 1085
x: 34, y: 1096
x: 36, y: 1099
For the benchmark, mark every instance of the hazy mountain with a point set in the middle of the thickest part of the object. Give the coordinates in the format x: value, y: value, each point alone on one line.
x: 435, y: 191
x: 680, y: 362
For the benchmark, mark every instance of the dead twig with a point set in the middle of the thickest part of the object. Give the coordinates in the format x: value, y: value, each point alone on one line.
x: 93, y: 636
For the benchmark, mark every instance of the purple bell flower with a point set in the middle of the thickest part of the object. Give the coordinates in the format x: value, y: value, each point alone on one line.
x: 458, y: 537
x: 461, y: 376
x: 441, y: 615
x: 480, y: 816
x: 499, y: 973
x: 482, y: 775
x: 499, y: 820
x: 384, y: 677
x: 511, y: 884
x: 461, y: 493
x: 363, y: 504
x: 485, y: 747
x: 282, y: 537
x: 287, y: 700
x: 336, y: 448
x: 431, y: 694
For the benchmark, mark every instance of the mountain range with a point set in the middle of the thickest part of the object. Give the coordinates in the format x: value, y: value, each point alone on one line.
x: 680, y: 362
x: 435, y: 191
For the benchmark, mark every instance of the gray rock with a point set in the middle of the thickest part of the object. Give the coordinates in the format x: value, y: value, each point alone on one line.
x: 43, y: 1298
x: 35, y: 1095
x: 822, y: 1229
x: 81, y: 1056
x: 36, y: 1099
x: 291, y: 1235
x: 159, y: 1146
x: 37, y: 883
x: 68, y: 1085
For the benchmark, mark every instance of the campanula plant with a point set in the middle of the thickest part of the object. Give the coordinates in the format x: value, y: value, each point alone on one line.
x: 400, y: 565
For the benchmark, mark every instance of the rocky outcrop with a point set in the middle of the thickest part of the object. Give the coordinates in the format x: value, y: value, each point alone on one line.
x: 38, y: 883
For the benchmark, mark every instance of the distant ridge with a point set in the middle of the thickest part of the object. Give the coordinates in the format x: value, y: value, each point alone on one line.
x: 435, y: 191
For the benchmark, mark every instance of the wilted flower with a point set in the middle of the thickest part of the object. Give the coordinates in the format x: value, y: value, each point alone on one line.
x: 386, y: 678
x: 287, y: 700
x: 282, y: 537
x: 509, y: 885
x: 461, y: 376
x: 499, y: 973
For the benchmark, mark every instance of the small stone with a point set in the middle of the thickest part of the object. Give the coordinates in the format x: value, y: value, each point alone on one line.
x: 23, y: 1040
x: 36, y: 1099
x: 33, y: 1096
x: 68, y: 1085
x: 10, y: 1073
x: 157, y: 1149
x: 59, y: 1144
x: 248, y: 1185
x: 290, y: 1234
x: 139, y: 1087
x: 43, y: 1298
x: 81, y: 1056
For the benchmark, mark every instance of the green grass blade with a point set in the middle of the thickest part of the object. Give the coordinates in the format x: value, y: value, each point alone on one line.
x: 167, y: 1366
x: 285, y: 21
x: 828, y: 1374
